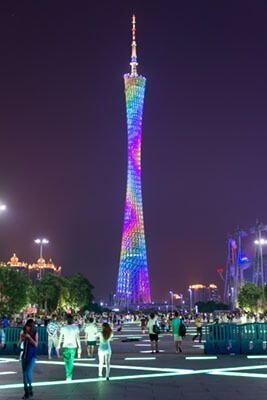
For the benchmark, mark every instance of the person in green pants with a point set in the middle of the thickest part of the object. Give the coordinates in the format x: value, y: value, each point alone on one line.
x: 70, y: 336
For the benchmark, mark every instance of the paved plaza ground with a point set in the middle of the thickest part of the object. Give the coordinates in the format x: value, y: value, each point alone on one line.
x: 138, y: 374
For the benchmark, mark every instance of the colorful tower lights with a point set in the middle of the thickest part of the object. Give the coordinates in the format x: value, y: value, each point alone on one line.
x: 133, y: 282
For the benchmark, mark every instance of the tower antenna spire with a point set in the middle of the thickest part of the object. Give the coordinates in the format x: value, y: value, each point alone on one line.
x: 133, y: 62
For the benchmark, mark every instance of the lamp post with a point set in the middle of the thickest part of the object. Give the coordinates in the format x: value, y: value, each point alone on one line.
x: 41, y: 242
x: 190, y: 299
x: 171, y: 294
x: 259, y: 270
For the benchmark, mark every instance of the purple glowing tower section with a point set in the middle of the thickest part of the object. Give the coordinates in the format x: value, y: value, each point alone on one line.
x: 133, y: 281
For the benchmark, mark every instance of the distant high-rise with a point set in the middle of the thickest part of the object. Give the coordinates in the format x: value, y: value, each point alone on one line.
x: 133, y: 282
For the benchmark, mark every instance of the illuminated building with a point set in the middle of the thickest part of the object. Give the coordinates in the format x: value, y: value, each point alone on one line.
x: 37, y: 270
x: 18, y: 265
x: 34, y: 271
x: 199, y: 292
x: 133, y: 281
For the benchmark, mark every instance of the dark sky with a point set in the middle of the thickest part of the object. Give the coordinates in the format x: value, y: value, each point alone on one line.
x: 64, y: 142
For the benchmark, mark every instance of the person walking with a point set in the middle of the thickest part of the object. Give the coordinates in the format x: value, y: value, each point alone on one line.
x: 53, y: 333
x: 198, y: 325
x: 176, y: 322
x: 29, y: 337
x: 143, y: 322
x: 70, y: 336
x: 90, y: 336
x: 104, y: 349
x: 153, y: 330
x: 2, y: 338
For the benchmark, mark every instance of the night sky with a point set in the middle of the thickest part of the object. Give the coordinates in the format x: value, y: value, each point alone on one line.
x: 63, y: 131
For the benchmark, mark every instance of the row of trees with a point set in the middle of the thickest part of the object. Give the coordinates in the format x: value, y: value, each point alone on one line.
x: 252, y: 298
x: 51, y: 293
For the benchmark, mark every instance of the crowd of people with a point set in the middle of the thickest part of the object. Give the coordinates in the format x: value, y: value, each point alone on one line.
x: 64, y: 338
x: 64, y: 335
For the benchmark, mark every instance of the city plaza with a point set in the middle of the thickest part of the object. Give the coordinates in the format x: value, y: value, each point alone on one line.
x: 136, y: 373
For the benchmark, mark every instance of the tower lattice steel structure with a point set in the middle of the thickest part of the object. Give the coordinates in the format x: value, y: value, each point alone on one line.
x: 133, y: 282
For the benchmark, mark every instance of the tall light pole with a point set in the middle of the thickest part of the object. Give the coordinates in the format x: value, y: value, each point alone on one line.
x: 41, y: 242
x: 171, y: 294
x: 259, y: 271
x: 190, y: 299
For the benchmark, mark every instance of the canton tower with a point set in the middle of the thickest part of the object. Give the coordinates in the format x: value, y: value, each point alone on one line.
x: 133, y: 281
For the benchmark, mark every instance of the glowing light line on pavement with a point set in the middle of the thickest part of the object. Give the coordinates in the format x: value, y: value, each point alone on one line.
x: 239, y: 374
x: 139, y: 358
x: 8, y: 373
x: 252, y: 357
x: 149, y: 351
x: 252, y: 367
x: 89, y: 380
x: 116, y: 366
x: 202, y: 358
x: 161, y: 372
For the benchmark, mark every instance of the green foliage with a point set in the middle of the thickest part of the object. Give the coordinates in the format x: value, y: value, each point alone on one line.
x: 249, y: 297
x: 57, y: 293
x: 50, y: 292
x: 210, y: 306
x: 80, y: 291
x: 15, y: 291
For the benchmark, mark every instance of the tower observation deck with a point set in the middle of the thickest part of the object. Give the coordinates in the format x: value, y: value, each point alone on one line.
x: 133, y: 286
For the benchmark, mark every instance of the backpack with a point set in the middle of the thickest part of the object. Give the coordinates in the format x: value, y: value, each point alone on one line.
x: 156, y: 328
x: 182, y: 329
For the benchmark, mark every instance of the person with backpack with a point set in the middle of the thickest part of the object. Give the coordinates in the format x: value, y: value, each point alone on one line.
x: 153, y: 330
x: 178, y: 330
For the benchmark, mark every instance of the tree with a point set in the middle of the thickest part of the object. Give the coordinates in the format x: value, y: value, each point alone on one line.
x: 249, y: 296
x: 15, y: 291
x: 210, y: 306
x: 80, y: 291
x: 52, y: 293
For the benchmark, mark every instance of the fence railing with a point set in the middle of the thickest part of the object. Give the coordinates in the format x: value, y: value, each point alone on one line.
x: 237, y: 339
x: 12, y: 338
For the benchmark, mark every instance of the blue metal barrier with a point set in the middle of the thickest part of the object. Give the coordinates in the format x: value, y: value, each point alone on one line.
x: 237, y: 339
x: 12, y: 338
x: 222, y: 339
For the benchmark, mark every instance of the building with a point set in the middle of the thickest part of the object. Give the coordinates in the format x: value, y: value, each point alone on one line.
x: 133, y: 285
x: 34, y: 271
x: 18, y: 265
x: 37, y: 270
x: 199, y: 292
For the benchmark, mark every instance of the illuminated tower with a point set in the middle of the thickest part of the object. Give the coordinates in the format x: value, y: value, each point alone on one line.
x: 133, y: 281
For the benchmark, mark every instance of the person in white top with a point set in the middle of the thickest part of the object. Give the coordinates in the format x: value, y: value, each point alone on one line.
x: 153, y: 330
x: 90, y: 336
x: 104, y: 349
x: 70, y: 336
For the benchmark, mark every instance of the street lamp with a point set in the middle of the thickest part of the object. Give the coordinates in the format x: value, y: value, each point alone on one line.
x: 259, y: 270
x: 2, y: 207
x: 261, y: 241
x: 171, y: 293
x: 190, y: 299
x: 41, y: 242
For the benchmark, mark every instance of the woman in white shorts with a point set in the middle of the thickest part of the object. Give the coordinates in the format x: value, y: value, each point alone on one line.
x: 104, y: 349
